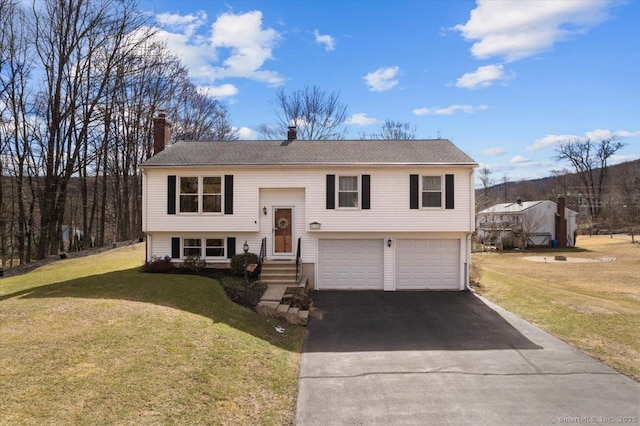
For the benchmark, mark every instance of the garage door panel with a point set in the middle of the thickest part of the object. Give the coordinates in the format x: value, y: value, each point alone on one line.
x: 427, y: 264
x: 350, y: 264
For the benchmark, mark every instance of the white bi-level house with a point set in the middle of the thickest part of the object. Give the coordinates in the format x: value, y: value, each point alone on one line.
x: 358, y: 214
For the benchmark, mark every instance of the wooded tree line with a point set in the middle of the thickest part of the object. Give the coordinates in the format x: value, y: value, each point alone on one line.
x: 80, y: 81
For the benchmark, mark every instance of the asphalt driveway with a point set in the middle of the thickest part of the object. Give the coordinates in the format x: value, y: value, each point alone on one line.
x: 424, y: 358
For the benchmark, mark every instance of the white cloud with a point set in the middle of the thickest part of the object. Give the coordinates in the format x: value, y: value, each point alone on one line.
x: 240, y: 38
x: 484, y: 76
x: 361, y: 119
x: 325, y: 39
x: 449, y: 110
x: 519, y: 160
x: 222, y: 91
x: 593, y: 135
x: 246, y: 133
x: 250, y: 45
x: 517, y: 29
x: 185, y: 24
x: 382, y: 79
x: 493, y: 151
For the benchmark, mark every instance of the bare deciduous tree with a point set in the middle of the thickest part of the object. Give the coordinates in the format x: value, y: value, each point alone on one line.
x: 528, y: 224
x: 393, y: 130
x: 590, y: 161
x: 316, y: 114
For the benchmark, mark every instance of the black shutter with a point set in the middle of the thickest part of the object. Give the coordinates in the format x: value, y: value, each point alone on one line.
x: 171, y: 195
x: 231, y: 247
x: 449, y: 192
x: 366, y: 192
x: 413, y: 192
x: 331, y: 192
x: 175, y: 248
x: 228, y: 194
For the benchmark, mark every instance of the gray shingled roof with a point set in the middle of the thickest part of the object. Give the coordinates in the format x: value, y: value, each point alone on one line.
x: 432, y: 151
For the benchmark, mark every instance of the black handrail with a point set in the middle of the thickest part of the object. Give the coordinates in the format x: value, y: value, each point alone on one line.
x: 298, y: 260
x: 263, y: 251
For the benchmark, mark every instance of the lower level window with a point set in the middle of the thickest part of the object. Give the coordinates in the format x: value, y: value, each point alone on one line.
x: 214, y: 247
x: 192, y: 247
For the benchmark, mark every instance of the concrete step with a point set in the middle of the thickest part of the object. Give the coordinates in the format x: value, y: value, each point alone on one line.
x: 287, y: 275
x: 274, y: 293
x: 293, y: 310
x: 283, y: 308
x: 268, y: 304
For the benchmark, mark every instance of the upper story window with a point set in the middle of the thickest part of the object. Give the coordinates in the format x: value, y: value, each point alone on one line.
x: 212, y: 194
x: 200, y: 194
x: 189, y: 194
x: 348, y: 191
x: 431, y: 191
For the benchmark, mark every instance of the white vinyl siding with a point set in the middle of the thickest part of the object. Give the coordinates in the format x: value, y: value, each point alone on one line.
x: 389, y: 210
x: 350, y: 264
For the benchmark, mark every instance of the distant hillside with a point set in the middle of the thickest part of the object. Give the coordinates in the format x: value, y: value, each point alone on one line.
x: 550, y: 187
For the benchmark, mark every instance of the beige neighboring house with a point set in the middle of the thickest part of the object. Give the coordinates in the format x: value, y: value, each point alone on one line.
x: 358, y: 214
x: 528, y: 223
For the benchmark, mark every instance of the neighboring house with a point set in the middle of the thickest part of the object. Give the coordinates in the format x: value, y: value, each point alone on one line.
x: 528, y: 223
x: 361, y: 214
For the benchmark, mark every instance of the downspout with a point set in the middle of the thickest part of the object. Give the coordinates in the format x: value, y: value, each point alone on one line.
x: 472, y: 227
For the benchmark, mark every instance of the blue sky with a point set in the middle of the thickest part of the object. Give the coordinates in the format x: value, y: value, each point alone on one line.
x: 504, y: 80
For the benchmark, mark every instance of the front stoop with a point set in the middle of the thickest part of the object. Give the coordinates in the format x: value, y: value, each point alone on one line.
x: 275, y: 304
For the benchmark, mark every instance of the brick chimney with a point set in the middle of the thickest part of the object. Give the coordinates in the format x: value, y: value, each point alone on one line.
x: 161, y: 132
x: 561, y: 223
x: 292, y: 134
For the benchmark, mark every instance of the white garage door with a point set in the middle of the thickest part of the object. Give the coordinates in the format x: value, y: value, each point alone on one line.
x: 350, y: 264
x: 427, y: 264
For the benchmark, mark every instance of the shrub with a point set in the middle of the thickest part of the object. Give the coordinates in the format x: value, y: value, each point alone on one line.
x: 475, y: 274
x: 234, y: 288
x: 159, y: 265
x: 237, y: 263
x: 193, y: 264
x: 301, y: 298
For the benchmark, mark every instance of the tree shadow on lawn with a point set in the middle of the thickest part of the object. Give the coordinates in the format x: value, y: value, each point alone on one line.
x: 198, y: 295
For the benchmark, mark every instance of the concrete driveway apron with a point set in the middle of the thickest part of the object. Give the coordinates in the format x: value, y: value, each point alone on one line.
x: 427, y: 358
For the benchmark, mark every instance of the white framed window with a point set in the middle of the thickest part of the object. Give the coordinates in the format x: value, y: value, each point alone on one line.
x: 348, y: 192
x: 188, y: 194
x: 192, y: 247
x: 214, y: 247
x: 211, y: 247
x: 200, y: 194
x: 431, y: 191
x: 212, y: 194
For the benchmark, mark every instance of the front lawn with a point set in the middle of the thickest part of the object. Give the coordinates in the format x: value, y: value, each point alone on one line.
x: 95, y: 341
x: 594, y: 306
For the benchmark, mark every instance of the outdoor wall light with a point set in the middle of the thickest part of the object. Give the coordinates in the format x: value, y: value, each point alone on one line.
x: 389, y: 243
x: 314, y: 225
x: 264, y: 210
x: 245, y: 247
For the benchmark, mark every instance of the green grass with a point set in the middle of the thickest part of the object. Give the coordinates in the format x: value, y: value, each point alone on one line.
x: 93, y: 341
x: 594, y: 306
